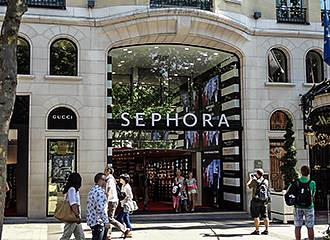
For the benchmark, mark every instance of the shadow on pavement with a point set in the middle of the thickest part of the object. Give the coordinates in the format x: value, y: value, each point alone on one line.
x: 225, y: 235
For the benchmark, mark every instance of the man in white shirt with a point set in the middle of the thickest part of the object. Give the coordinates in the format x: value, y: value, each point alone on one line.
x: 111, y: 191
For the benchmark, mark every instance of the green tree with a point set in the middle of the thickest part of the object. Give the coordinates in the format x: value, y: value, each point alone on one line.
x: 289, y: 159
x: 8, y: 83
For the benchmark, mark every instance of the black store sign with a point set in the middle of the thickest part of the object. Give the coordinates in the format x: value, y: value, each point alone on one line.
x: 319, y: 119
x: 62, y: 118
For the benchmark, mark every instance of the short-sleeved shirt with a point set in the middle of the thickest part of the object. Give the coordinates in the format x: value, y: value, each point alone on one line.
x: 312, y: 187
x: 73, y: 197
x: 255, y: 182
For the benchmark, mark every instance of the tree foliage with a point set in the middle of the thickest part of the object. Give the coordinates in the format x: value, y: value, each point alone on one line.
x: 289, y: 159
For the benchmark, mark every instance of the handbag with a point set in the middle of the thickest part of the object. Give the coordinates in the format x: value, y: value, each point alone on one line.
x: 64, y: 213
x: 130, y: 206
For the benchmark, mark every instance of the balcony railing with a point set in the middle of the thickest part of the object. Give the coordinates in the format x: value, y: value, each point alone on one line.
x: 296, y: 15
x: 197, y: 4
x: 59, y: 4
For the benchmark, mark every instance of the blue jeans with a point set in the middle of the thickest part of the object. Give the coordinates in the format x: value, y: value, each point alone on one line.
x: 123, y: 217
x: 99, y: 232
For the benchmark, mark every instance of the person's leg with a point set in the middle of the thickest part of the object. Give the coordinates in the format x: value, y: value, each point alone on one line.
x: 297, y: 233
x: 298, y: 222
x: 174, y: 202
x: 111, y: 213
x: 79, y: 232
x: 194, y: 199
x: 257, y: 223
x: 310, y: 218
x: 97, y: 232
x: 68, y: 230
x: 127, y: 221
x: 190, y: 199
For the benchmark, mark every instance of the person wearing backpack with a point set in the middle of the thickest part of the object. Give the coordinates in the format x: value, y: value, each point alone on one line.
x: 260, y: 200
x: 304, y: 190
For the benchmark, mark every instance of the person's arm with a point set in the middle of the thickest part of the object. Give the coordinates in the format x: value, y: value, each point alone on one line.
x: 100, y: 207
x: 71, y: 197
x: 129, y: 193
x: 252, y: 183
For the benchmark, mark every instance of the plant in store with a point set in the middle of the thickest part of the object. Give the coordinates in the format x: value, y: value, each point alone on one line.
x: 8, y: 83
x: 289, y: 159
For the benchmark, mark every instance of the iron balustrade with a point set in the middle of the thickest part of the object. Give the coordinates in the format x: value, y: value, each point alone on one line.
x: 197, y: 4
x: 59, y: 4
x: 296, y: 14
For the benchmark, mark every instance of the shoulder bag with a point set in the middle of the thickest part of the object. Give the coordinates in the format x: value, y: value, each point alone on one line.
x: 64, y: 213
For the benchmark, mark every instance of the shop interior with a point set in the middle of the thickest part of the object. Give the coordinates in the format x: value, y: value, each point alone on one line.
x: 169, y: 79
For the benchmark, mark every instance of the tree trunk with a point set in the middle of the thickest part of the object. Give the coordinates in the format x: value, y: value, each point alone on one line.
x: 8, y: 83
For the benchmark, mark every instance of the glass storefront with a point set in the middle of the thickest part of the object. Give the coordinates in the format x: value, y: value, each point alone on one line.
x: 176, y: 107
x: 61, y: 161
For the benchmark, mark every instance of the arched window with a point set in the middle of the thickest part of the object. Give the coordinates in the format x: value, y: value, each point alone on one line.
x: 23, y: 56
x: 63, y: 58
x: 277, y: 66
x: 278, y: 120
x: 314, y: 67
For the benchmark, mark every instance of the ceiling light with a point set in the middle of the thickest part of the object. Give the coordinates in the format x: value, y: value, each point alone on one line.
x: 113, y: 72
x: 156, y: 47
x: 199, y: 59
x: 215, y: 54
x: 125, y: 49
x: 122, y: 61
x: 120, y: 82
x: 187, y: 49
x: 119, y: 65
x: 191, y: 64
x: 175, y: 74
x: 130, y: 51
x: 186, y: 68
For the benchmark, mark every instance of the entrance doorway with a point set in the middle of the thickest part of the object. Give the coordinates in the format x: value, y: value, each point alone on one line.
x: 167, y: 106
x: 18, y: 156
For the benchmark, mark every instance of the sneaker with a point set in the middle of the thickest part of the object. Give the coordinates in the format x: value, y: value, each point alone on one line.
x: 255, y: 232
x: 265, y: 232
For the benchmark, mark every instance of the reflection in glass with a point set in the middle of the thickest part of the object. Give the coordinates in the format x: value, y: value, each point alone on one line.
x: 63, y: 58
x: 314, y: 67
x: 23, y: 56
x: 277, y: 66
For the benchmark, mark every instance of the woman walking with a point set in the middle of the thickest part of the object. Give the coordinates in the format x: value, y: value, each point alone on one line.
x: 123, y: 216
x: 177, y: 189
x: 71, y: 191
x: 192, y: 190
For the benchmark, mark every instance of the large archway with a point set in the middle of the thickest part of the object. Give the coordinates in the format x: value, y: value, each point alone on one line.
x: 175, y: 106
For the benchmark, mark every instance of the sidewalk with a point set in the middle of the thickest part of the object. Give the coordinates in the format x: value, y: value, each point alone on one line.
x: 170, y: 227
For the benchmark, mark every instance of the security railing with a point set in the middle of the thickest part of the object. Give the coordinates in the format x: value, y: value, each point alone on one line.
x: 285, y: 14
x: 322, y: 16
x: 197, y: 4
x: 59, y: 4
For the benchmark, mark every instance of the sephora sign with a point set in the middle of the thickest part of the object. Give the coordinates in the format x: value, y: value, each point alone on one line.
x: 187, y: 121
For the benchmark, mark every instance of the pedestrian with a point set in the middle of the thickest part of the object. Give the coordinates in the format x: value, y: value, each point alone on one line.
x: 304, y: 205
x: 96, y: 216
x: 191, y: 183
x: 260, y: 200
x: 184, y: 198
x: 176, y: 190
x: 71, y: 191
x: 111, y: 192
x: 123, y: 216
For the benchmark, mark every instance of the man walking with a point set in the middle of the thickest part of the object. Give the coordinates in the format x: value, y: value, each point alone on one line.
x: 260, y: 200
x: 111, y: 191
x: 96, y: 215
x: 305, y: 191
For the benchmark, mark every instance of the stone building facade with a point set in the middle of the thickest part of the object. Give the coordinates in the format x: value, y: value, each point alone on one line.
x: 233, y: 26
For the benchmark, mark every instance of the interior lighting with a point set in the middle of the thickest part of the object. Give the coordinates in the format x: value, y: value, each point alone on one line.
x: 199, y: 59
x: 187, y: 49
x: 119, y: 65
x: 156, y: 47
x: 122, y: 61
x: 186, y: 68
x: 129, y: 51
x: 215, y: 54
x: 192, y: 64
x: 113, y: 72
x: 125, y: 49
x: 175, y: 74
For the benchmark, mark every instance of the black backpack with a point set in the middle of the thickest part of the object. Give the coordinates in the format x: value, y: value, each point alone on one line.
x: 304, y: 194
x: 262, y: 192
x: 299, y: 194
